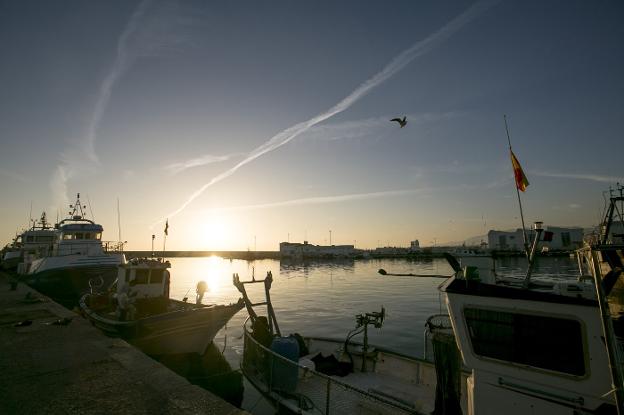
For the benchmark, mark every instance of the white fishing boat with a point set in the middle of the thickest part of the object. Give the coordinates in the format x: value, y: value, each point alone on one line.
x: 35, y: 242
x: 512, y: 346
x: 12, y: 254
x: 77, y: 255
x: 138, y: 309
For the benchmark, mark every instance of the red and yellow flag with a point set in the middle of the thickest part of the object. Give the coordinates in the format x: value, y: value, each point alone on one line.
x: 521, y: 180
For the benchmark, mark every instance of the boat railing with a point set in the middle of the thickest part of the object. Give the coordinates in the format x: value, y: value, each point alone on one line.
x: 300, y: 388
x: 86, y: 248
x: 112, y: 246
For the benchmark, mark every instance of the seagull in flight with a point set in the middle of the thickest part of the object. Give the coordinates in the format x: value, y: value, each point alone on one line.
x: 401, y: 122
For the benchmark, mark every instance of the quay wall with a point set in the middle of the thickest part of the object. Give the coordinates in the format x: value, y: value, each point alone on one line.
x: 54, y: 361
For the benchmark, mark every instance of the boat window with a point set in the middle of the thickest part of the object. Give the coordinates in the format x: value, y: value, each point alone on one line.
x: 98, y: 236
x: 156, y: 277
x: 566, y: 241
x: 539, y: 341
x: 68, y: 236
x: 87, y: 235
x: 79, y: 235
x: 140, y: 276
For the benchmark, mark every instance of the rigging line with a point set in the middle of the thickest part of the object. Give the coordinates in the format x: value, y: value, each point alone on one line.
x: 118, y: 221
x: 224, y: 339
x: 90, y: 210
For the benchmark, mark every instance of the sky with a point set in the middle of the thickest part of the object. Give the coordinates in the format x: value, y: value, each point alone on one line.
x: 244, y: 124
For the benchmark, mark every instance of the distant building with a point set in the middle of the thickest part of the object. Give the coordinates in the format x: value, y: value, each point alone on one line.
x: 391, y: 251
x: 308, y: 250
x: 506, y: 241
x: 563, y: 239
x: 415, y: 246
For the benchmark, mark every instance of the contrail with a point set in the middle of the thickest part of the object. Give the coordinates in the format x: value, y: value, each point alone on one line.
x: 398, y: 63
x: 593, y: 177
x: 69, y: 166
x: 175, y: 168
x: 120, y: 64
x: 320, y: 200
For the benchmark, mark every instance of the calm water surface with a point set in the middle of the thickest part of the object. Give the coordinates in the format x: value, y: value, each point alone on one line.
x: 322, y: 299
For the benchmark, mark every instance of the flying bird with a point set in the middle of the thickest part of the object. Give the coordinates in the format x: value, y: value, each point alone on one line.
x: 401, y: 122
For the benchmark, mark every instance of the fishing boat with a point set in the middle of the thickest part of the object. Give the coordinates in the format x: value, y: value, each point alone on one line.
x: 508, y: 346
x: 32, y: 243
x: 12, y: 254
x: 36, y: 242
x: 138, y: 309
x: 77, y: 255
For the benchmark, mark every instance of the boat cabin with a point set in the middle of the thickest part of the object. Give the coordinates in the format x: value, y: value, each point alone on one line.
x: 82, y: 238
x: 144, y: 278
x: 532, y: 346
x: 78, y: 235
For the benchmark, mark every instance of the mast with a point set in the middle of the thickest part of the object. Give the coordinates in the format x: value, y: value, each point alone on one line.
x: 524, y: 235
x: 118, y: 222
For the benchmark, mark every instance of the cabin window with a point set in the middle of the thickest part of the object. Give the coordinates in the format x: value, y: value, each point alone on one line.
x: 565, y: 239
x: 98, y: 236
x: 68, y: 236
x: 87, y: 235
x: 140, y: 276
x: 502, y: 241
x: 79, y: 235
x: 543, y: 342
x: 156, y: 277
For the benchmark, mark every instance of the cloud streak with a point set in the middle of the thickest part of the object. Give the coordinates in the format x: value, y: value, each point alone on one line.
x: 71, y: 162
x: 123, y: 60
x: 175, y: 168
x: 320, y: 200
x: 580, y: 176
x: 13, y: 175
x: 398, y: 63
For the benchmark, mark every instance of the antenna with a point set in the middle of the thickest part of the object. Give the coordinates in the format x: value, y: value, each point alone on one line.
x: 90, y: 210
x: 118, y: 222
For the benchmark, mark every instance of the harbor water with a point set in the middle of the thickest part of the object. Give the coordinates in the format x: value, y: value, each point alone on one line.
x: 323, y: 298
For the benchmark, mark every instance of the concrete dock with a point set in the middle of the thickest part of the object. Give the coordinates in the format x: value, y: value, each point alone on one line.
x: 53, y: 361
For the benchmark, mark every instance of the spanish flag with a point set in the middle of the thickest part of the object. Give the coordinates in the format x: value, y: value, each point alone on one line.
x: 167, y: 227
x: 521, y: 180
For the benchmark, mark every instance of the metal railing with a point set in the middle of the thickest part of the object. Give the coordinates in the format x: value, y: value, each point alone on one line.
x: 87, y: 248
x: 304, y: 390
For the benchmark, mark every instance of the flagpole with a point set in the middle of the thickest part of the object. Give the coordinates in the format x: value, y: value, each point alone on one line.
x: 524, y: 235
x: 166, y: 232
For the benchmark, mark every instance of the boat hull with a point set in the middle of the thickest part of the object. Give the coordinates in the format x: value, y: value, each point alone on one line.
x: 66, y: 281
x: 189, y: 330
x: 10, y: 260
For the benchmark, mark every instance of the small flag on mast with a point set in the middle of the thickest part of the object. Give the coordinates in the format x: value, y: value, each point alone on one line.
x: 167, y: 227
x: 521, y: 180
